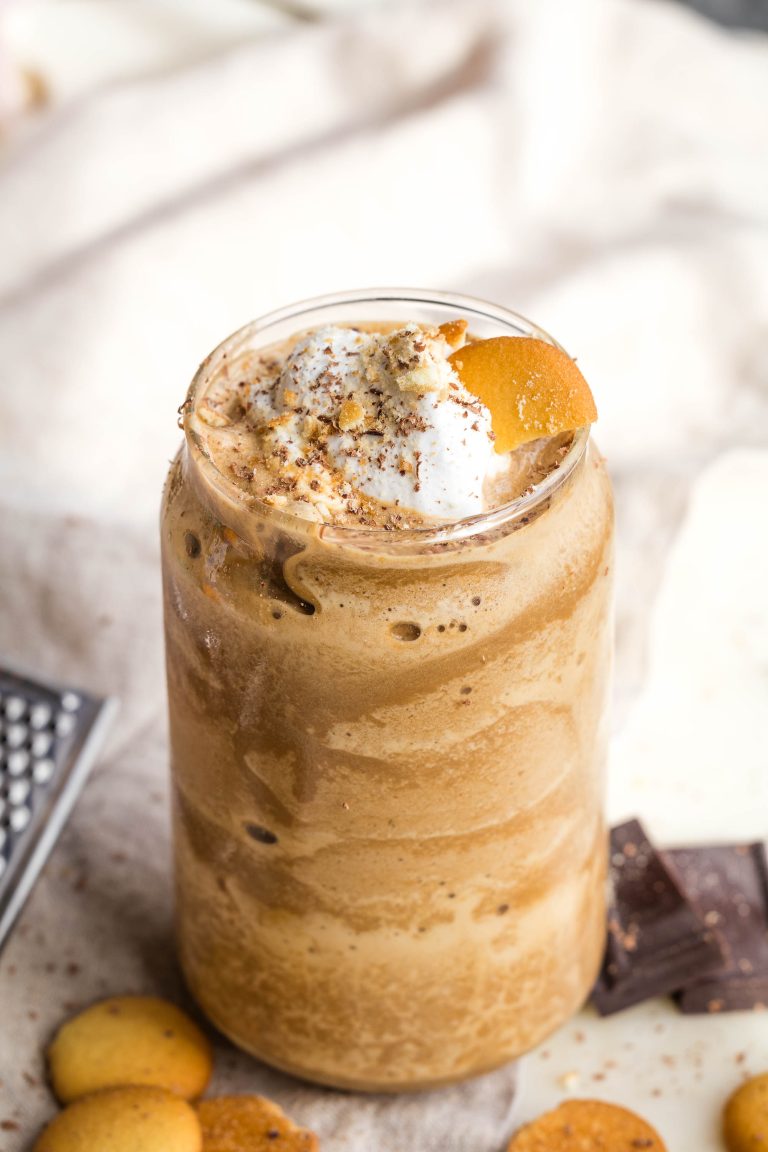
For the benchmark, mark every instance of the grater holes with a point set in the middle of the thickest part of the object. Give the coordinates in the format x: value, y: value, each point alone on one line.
x: 18, y: 818
x: 14, y: 708
x: 65, y: 724
x: 29, y: 732
x: 41, y: 744
x: 40, y: 716
x: 18, y: 762
x: 42, y: 771
x: 16, y: 735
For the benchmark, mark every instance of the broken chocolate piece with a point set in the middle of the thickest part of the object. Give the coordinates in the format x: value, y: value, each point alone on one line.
x: 656, y: 939
x: 728, y: 887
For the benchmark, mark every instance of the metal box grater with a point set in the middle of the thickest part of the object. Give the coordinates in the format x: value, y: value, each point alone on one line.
x: 48, y: 740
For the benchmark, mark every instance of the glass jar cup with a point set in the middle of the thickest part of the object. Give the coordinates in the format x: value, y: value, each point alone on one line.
x: 387, y: 757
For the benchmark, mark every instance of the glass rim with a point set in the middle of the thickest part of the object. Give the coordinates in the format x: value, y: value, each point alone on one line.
x: 442, y: 533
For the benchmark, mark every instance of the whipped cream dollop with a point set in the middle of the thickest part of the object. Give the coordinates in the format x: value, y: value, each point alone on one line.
x: 358, y: 416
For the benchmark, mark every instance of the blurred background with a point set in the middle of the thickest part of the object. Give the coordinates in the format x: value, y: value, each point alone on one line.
x: 170, y: 169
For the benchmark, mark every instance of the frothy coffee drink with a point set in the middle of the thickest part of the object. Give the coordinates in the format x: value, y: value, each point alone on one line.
x: 388, y: 649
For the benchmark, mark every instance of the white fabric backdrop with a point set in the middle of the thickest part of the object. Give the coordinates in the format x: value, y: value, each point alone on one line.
x: 600, y: 166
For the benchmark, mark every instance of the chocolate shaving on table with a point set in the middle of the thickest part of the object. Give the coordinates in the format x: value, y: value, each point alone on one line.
x: 728, y: 887
x: 656, y: 939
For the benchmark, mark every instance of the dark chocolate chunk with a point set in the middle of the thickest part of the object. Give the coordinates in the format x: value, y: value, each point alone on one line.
x: 728, y: 887
x: 656, y: 939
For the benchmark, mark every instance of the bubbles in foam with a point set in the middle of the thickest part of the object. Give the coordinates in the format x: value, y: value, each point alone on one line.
x: 405, y: 630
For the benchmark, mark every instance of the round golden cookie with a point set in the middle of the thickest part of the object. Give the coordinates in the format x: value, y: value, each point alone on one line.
x: 745, y: 1120
x: 129, y: 1040
x: 587, y: 1126
x: 124, y: 1120
x: 251, y: 1124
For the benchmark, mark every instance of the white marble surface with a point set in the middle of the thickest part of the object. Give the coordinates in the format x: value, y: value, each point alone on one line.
x: 195, y: 169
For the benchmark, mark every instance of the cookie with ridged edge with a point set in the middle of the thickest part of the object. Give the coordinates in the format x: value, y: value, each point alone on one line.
x: 251, y: 1124
x: 587, y: 1126
x: 124, y: 1120
x: 745, y: 1120
x: 129, y: 1040
x: 531, y: 388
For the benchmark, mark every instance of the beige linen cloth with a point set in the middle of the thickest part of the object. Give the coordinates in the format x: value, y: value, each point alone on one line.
x: 600, y: 166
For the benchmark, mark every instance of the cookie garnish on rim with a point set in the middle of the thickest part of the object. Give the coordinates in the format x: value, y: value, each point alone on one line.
x: 531, y: 388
